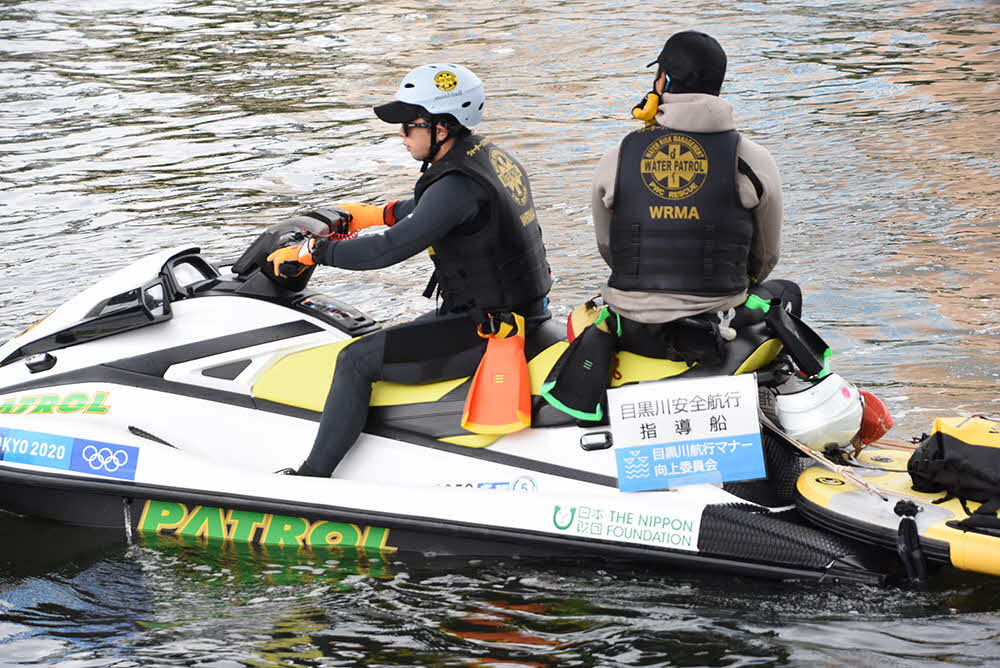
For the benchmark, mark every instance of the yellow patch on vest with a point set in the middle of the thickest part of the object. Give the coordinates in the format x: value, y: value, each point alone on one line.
x: 674, y: 212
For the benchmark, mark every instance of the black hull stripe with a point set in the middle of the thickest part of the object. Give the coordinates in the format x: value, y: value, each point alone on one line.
x: 560, y: 545
x: 156, y: 364
x: 493, y: 456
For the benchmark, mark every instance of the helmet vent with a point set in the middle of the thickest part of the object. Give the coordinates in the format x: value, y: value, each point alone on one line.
x: 466, y: 104
x: 408, y: 85
x: 481, y: 106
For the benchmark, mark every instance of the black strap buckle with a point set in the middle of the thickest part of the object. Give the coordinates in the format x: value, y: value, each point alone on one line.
x: 491, y: 323
x: 432, y: 284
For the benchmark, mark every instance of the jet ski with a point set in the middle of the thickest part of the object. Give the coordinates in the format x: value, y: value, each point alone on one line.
x: 165, y: 399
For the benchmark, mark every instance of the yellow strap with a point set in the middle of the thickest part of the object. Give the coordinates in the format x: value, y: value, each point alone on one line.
x: 646, y: 110
x: 505, y: 329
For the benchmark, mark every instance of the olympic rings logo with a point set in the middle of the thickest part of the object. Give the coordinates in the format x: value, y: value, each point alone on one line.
x: 104, y: 458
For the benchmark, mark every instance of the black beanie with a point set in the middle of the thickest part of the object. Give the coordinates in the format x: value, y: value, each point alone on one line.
x: 695, y: 62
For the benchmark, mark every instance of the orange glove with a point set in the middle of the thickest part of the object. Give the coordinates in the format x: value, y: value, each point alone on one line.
x: 292, y: 260
x: 368, y: 215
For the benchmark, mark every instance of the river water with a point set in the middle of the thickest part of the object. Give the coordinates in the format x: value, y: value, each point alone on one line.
x: 125, y: 130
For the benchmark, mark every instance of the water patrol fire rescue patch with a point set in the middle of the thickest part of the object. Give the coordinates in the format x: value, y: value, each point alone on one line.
x: 510, y: 176
x: 674, y: 166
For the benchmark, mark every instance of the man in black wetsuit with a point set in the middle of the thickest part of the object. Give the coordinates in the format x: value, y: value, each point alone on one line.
x: 472, y: 209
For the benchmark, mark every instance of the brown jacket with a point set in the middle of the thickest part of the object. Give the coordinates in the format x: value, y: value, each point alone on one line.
x: 694, y: 112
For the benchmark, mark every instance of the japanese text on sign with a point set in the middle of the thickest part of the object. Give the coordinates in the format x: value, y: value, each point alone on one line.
x: 682, y: 432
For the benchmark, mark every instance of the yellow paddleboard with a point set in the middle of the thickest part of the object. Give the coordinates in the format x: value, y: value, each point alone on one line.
x: 832, y: 502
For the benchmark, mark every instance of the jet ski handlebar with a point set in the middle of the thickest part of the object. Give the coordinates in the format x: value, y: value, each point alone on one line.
x: 286, y: 233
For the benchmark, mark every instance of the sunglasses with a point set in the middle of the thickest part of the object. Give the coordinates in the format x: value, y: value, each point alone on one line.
x: 409, y: 126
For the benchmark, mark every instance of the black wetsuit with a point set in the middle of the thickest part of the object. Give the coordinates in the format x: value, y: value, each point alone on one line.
x: 451, y: 201
x: 439, y: 345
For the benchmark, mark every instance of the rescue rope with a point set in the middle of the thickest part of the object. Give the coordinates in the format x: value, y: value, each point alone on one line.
x: 823, y: 461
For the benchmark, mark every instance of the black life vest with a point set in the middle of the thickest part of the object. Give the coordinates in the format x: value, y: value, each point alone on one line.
x: 496, y: 261
x: 678, y: 225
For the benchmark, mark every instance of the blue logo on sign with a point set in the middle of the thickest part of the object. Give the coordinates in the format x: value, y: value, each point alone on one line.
x: 710, y: 460
x: 63, y: 452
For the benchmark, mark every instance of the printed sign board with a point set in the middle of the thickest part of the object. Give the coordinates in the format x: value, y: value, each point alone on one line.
x: 684, y: 432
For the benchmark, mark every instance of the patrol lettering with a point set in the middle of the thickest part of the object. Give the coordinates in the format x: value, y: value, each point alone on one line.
x: 52, y: 404
x: 241, y: 526
x: 666, y: 165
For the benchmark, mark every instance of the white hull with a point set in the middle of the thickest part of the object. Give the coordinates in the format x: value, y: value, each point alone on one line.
x: 130, y: 429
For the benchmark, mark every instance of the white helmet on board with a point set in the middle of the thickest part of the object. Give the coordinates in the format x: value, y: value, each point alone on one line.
x: 827, y: 412
x: 438, y: 89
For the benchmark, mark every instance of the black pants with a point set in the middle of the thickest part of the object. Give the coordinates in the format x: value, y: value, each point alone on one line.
x: 429, y: 349
x: 697, y: 339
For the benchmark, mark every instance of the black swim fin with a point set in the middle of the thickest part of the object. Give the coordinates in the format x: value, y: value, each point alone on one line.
x: 581, y: 375
x: 807, y: 349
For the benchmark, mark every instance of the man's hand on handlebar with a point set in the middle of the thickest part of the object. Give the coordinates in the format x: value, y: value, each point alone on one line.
x: 291, y: 261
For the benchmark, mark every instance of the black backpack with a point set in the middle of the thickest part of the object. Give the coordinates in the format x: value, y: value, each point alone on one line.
x: 962, y: 457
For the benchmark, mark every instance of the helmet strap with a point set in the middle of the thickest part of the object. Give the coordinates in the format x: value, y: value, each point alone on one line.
x: 435, y: 144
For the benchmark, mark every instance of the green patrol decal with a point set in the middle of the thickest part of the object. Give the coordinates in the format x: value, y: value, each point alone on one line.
x: 242, y: 526
x: 54, y: 404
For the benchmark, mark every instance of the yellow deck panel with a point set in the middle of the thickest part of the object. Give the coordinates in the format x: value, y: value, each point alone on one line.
x: 968, y: 550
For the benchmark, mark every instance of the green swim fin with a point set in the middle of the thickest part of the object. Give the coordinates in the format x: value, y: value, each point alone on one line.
x: 580, y: 377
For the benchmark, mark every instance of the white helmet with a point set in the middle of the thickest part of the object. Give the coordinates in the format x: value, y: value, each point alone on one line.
x: 437, y: 89
x: 827, y: 412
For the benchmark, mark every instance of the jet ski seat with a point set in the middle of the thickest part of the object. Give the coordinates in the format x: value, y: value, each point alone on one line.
x: 302, y: 379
